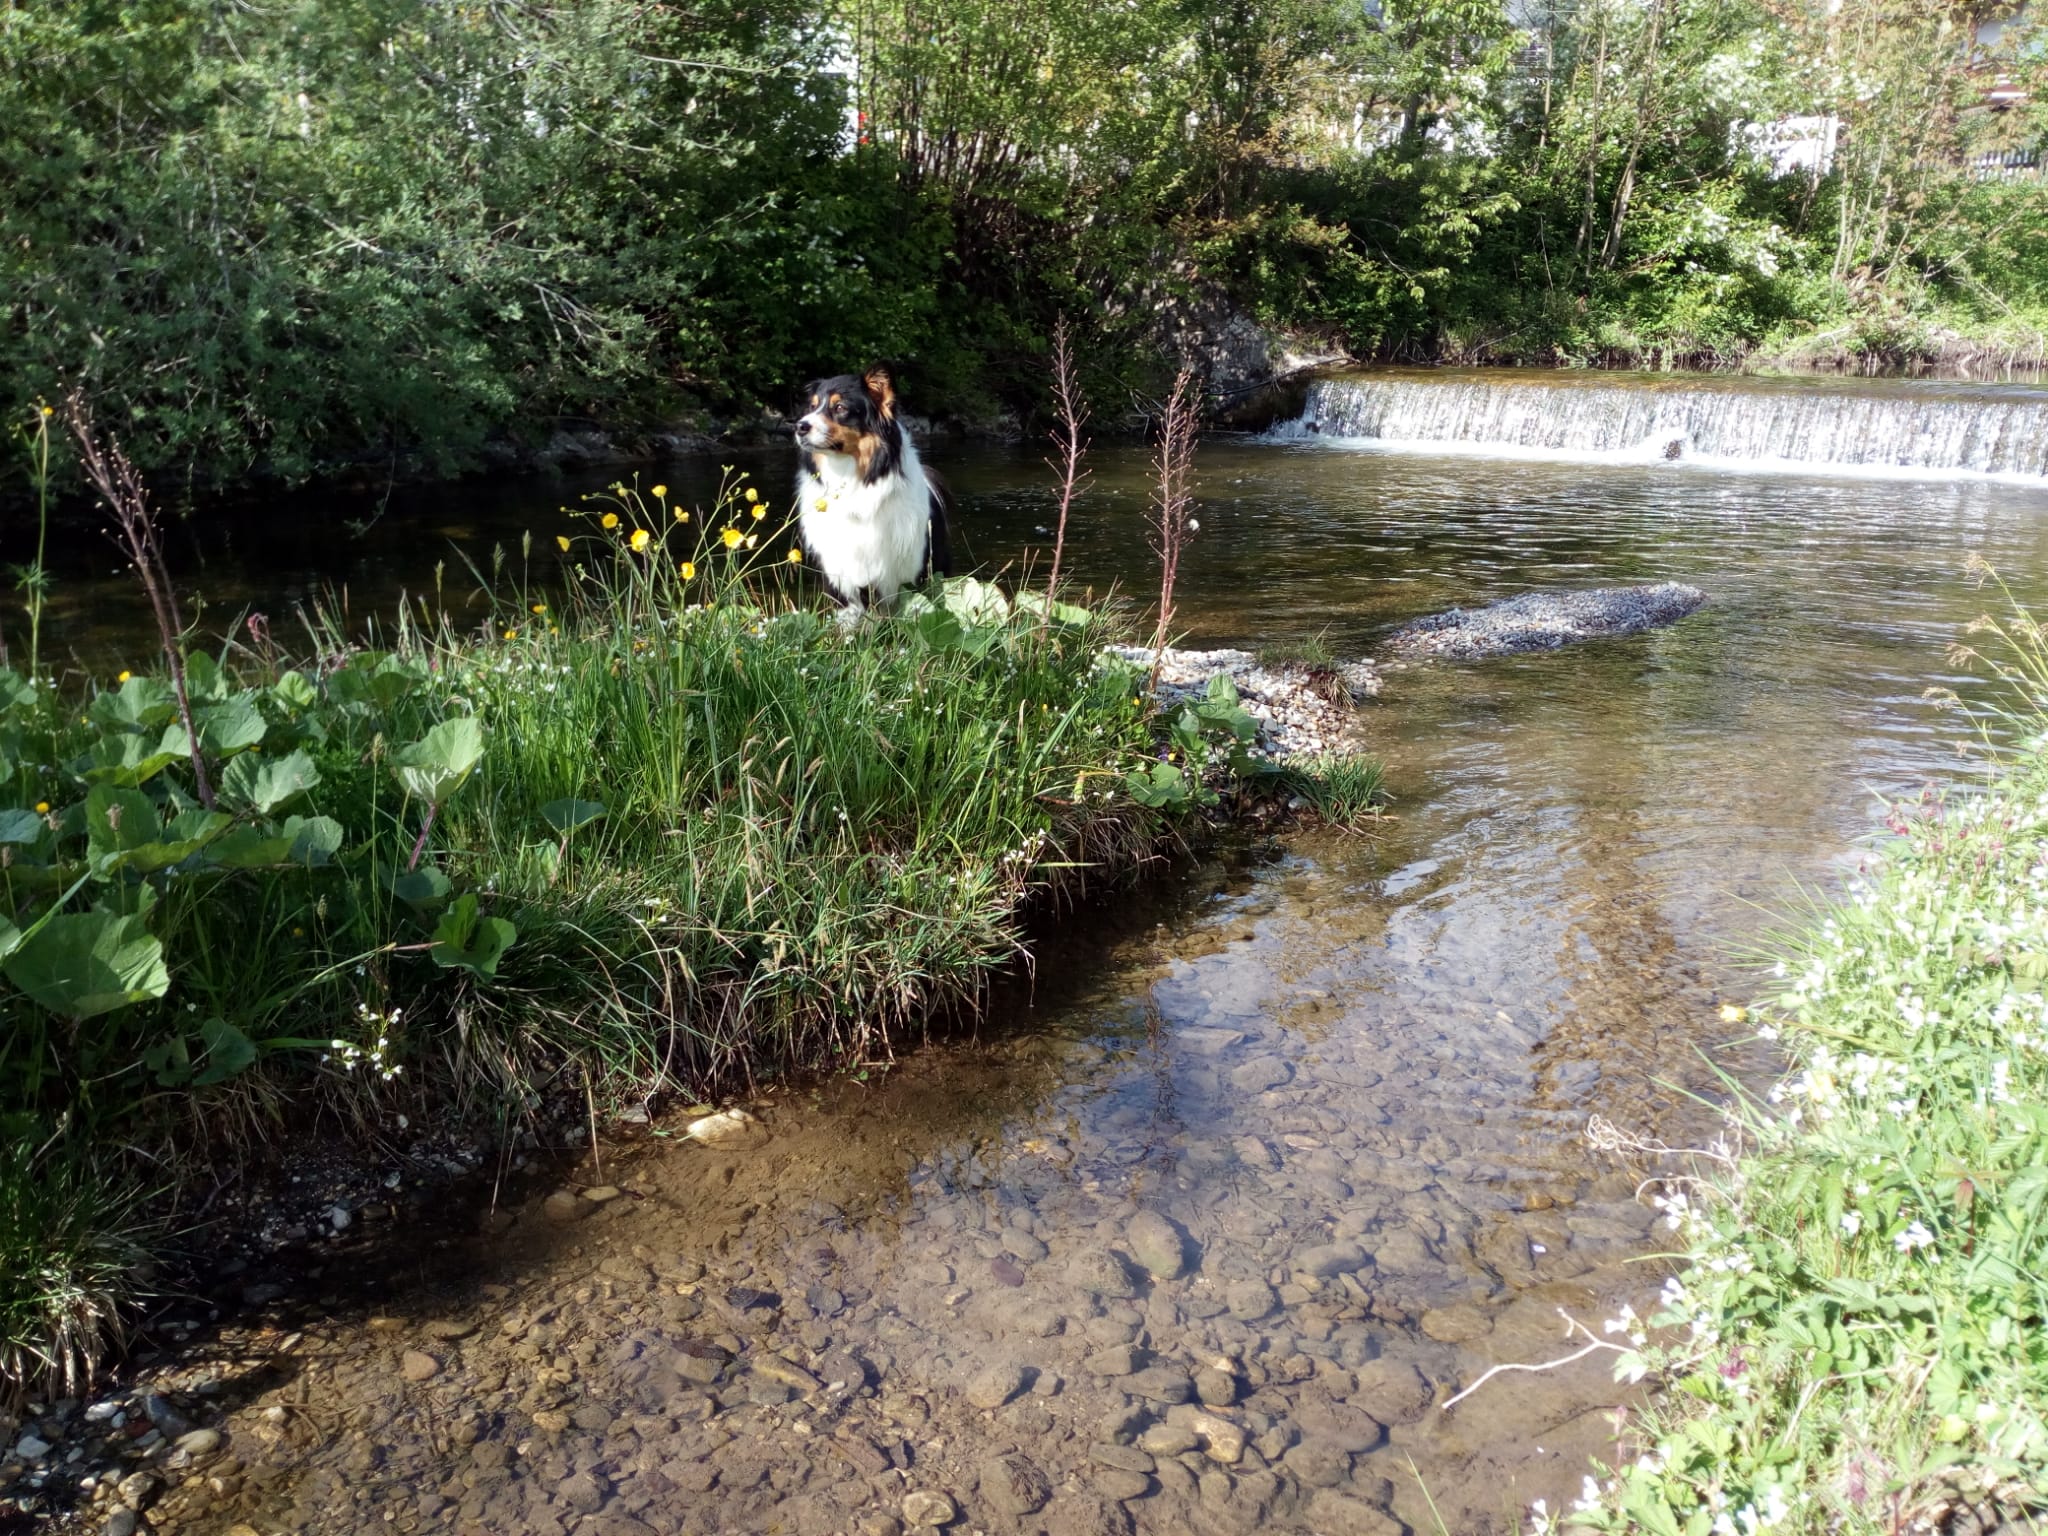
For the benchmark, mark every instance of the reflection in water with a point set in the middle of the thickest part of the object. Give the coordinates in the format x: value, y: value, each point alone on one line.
x: 1355, y: 1077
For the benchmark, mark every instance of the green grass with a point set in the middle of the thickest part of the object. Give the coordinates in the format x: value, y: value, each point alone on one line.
x: 656, y: 823
x: 1856, y: 1340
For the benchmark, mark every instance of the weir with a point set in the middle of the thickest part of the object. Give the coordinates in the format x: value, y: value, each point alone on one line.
x: 1889, y: 426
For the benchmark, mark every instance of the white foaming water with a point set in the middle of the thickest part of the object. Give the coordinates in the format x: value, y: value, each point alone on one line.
x: 1892, y: 428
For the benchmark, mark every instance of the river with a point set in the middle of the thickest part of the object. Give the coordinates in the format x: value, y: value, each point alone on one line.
x: 1355, y: 1071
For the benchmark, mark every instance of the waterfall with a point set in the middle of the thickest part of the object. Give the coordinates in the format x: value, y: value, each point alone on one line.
x: 1889, y: 426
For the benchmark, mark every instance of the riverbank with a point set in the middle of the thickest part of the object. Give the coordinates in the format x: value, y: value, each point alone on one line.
x: 1854, y: 1340
x: 653, y: 825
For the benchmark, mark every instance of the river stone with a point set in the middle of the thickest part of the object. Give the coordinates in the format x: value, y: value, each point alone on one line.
x: 1159, y: 1244
x: 1168, y: 1440
x: 1101, y: 1273
x: 1119, y: 1483
x: 1020, y: 1244
x: 1330, y: 1260
x: 700, y: 1361
x: 1221, y: 1439
x: 786, y: 1372
x: 1318, y: 1464
x: 996, y: 1385
x: 1014, y: 1485
x: 929, y: 1510
x: 122, y: 1522
x: 1543, y: 621
x: 1394, y: 1390
x: 1117, y: 1360
x: 1403, y: 1250
x: 1215, y: 1387
x: 1504, y: 1248
x: 418, y: 1365
x: 1334, y: 1514
x: 1260, y: 1073
x: 1345, y: 1427
x: 1250, y: 1300
x: 200, y: 1442
x: 1128, y: 1457
x: 1159, y: 1384
x: 565, y: 1205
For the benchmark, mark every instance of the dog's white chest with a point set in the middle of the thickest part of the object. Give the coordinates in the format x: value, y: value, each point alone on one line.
x: 866, y: 537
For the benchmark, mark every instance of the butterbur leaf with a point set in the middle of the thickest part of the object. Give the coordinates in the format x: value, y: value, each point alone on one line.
x: 264, y: 785
x: 247, y: 847
x: 434, y: 767
x: 294, y: 692
x: 230, y: 727
x: 82, y: 964
x: 126, y: 757
x: 178, y: 840
x: 465, y: 940
x: 10, y: 938
x: 565, y: 816
x: 424, y: 889
x: 228, y: 1052
x: 1062, y: 613
x: 204, y: 681
x: 140, y: 704
x: 118, y: 821
x: 311, y: 840
x: 21, y: 827
x: 15, y: 690
x: 975, y: 602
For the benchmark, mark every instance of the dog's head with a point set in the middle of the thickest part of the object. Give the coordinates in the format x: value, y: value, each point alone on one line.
x: 853, y: 414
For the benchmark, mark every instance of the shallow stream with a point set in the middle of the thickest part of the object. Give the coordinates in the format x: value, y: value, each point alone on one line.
x: 1355, y: 1073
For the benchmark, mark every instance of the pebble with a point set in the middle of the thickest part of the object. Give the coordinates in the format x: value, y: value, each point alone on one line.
x: 1260, y: 1074
x: 929, y: 1510
x: 565, y: 1205
x: 1128, y: 1457
x: 418, y: 1365
x: 1250, y: 1300
x: 995, y: 1385
x: 198, y: 1442
x: 1158, y: 1244
x: 724, y: 1128
x: 122, y: 1522
x: 1159, y: 1384
x: 1393, y: 1390
x: 1119, y: 1484
x: 1014, y: 1485
x: 1215, y: 1387
x: 1101, y: 1273
x: 1117, y: 1360
x: 31, y: 1447
x: 1345, y: 1427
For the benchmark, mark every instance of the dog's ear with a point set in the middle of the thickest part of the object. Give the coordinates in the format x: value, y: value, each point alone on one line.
x: 881, y: 389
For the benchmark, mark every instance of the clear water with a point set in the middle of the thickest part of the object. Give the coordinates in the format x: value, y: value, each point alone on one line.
x: 1395, y: 1040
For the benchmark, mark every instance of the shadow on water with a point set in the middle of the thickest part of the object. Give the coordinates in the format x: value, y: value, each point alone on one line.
x: 1354, y: 1078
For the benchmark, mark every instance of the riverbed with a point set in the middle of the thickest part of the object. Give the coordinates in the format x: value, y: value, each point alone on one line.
x: 1352, y: 1073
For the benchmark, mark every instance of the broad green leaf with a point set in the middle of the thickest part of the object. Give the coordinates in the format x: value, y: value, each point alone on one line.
x: 565, y: 816
x: 262, y: 784
x: 129, y: 758
x: 15, y: 690
x: 21, y: 827
x: 204, y: 681
x: 118, y: 821
x: 82, y: 964
x: 975, y: 602
x: 1062, y: 613
x: 424, y: 889
x: 294, y: 692
x: 434, y: 767
x: 229, y: 727
x: 140, y: 704
x: 10, y: 938
x: 228, y: 1052
x: 311, y: 840
x: 181, y: 837
x: 463, y: 940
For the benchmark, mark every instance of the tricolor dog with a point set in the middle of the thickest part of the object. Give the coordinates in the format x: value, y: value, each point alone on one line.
x: 873, y: 517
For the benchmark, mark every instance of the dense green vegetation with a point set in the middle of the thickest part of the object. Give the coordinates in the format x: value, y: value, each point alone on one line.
x: 288, y: 237
x: 1855, y: 1342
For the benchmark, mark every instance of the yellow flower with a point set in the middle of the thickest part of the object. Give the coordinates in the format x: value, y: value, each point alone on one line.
x: 660, y: 491
x: 43, y: 806
x: 47, y: 411
x: 1730, y: 1014
x: 760, y: 512
x: 511, y: 634
x: 125, y: 675
x: 640, y: 539
x: 689, y: 571
x: 562, y: 542
x: 682, y: 516
x: 796, y: 557
x: 540, y: 607
x: 821, y: 503
x: 732, y: 537
x: 753, y: 495
x: 609, y: 520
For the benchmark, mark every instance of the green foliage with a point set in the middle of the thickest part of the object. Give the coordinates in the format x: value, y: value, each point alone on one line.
x: 1855, y: 1341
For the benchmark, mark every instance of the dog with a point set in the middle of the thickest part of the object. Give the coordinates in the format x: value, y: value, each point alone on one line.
x: 873, y: 518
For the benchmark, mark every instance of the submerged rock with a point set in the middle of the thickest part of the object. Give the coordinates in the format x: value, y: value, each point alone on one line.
x: 1158, y: 1243
x: 1545, y: 621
